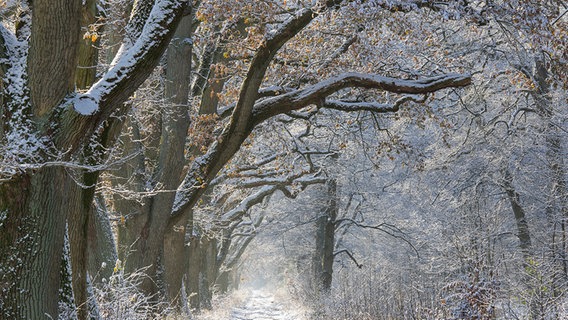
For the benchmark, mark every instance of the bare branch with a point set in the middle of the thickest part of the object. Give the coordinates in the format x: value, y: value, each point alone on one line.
x: 387, y: 228
x: 316, y: 93
x: 341, y: 50
x: 350, y: 256
x: 240, y: 125
x: 236, y: 213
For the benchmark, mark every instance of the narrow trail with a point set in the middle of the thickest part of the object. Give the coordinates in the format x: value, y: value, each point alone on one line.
x: 262, y: 305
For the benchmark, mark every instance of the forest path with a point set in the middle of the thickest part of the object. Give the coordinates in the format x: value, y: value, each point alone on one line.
x: 262, y: 305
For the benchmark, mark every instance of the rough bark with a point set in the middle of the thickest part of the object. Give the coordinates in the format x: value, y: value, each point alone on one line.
x: 88, y: 53
x: 81, y: 215
x: 78, y: 221
x: 175, y: 124
x: 31, y: 260
x: 146, y: 237
x: 35, y: 223
x: 193, y: 269
x: 101, y: 245
x: 53, y: 52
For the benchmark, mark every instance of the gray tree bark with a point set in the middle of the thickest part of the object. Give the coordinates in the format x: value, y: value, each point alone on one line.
x: 322, y: 263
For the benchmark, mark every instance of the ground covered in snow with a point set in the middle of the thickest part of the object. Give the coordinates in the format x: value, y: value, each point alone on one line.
x: 256, y: 304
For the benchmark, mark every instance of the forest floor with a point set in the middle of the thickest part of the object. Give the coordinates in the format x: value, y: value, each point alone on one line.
x: 256, y: 304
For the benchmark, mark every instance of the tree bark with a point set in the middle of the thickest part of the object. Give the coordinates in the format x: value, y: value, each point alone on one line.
x: 34, y: 228
x: 101, y: 245
x: 325, y: 239
x: 81, y: 215
x: 145, y: 235
x: 171, y: 159
x: 523, y: 232
x: 34, y: 205
x: 32, y: 242
x: 53, y: 52
x: 194, y: 258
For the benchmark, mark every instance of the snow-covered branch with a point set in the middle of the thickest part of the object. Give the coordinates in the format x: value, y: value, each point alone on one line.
x: 132, y: 65
x: 241, y: 172
x: 384, y: 227
x: 315, y: 94
x: 350, y: 106
x: 459, y: 10
x: 341, y: 50
x: 273, y: 91
x: 241, y: 209
x: 269, y: 186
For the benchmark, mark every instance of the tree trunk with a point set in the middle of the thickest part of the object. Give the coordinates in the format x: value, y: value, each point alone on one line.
x: 325, y: 238
x: 171, y: 162
x: 101, y: 245
x: 207, y: 273
x: 78, y: 221
x: 32, y: 243
x: 34, y: 205
x: 523, y: 232
x: 193, y: 269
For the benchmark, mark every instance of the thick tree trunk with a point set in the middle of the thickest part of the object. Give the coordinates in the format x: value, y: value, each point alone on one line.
x: 53, y: 52
x: 144, y: 235
x: 80, y: 216
x: 171, y: 160
x: 34, y: 204
x: 207, y: 273
x: 133, y: 214
x: 32, y: 243
x: 174, y: 260
x: 78, y: 220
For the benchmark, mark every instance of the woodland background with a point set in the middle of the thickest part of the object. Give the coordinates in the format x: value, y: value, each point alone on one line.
x: 379, y: 159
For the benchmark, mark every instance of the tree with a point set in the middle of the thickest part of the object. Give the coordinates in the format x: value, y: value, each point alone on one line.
x: 253, y: 106
x: 48, y: 128
x: 46, y: 124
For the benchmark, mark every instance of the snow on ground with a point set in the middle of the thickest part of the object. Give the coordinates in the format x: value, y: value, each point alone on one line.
x: 256, y: 304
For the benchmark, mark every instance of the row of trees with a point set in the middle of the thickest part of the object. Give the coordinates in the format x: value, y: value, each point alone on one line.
x: 482, y: 204
x: 171, y: 119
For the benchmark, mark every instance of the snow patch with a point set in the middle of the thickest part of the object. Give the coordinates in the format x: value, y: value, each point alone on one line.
x: 86, y: 105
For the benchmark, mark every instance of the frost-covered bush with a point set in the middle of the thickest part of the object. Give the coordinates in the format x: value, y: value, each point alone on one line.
x: 119, y: 297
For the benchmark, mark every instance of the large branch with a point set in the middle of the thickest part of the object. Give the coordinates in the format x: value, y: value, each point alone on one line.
x: 131, y: 68
x: 269, y: 186
x: 317, y: 93
x: 249, y: 112
x: 240, y: 125
x: 220, y: 153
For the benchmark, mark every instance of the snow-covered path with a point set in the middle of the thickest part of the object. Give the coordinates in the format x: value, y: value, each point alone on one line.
x: 262, y: 305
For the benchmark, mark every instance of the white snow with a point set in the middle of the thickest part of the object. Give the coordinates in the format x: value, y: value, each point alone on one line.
x: 86, y: 105
x: 128, y: 57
